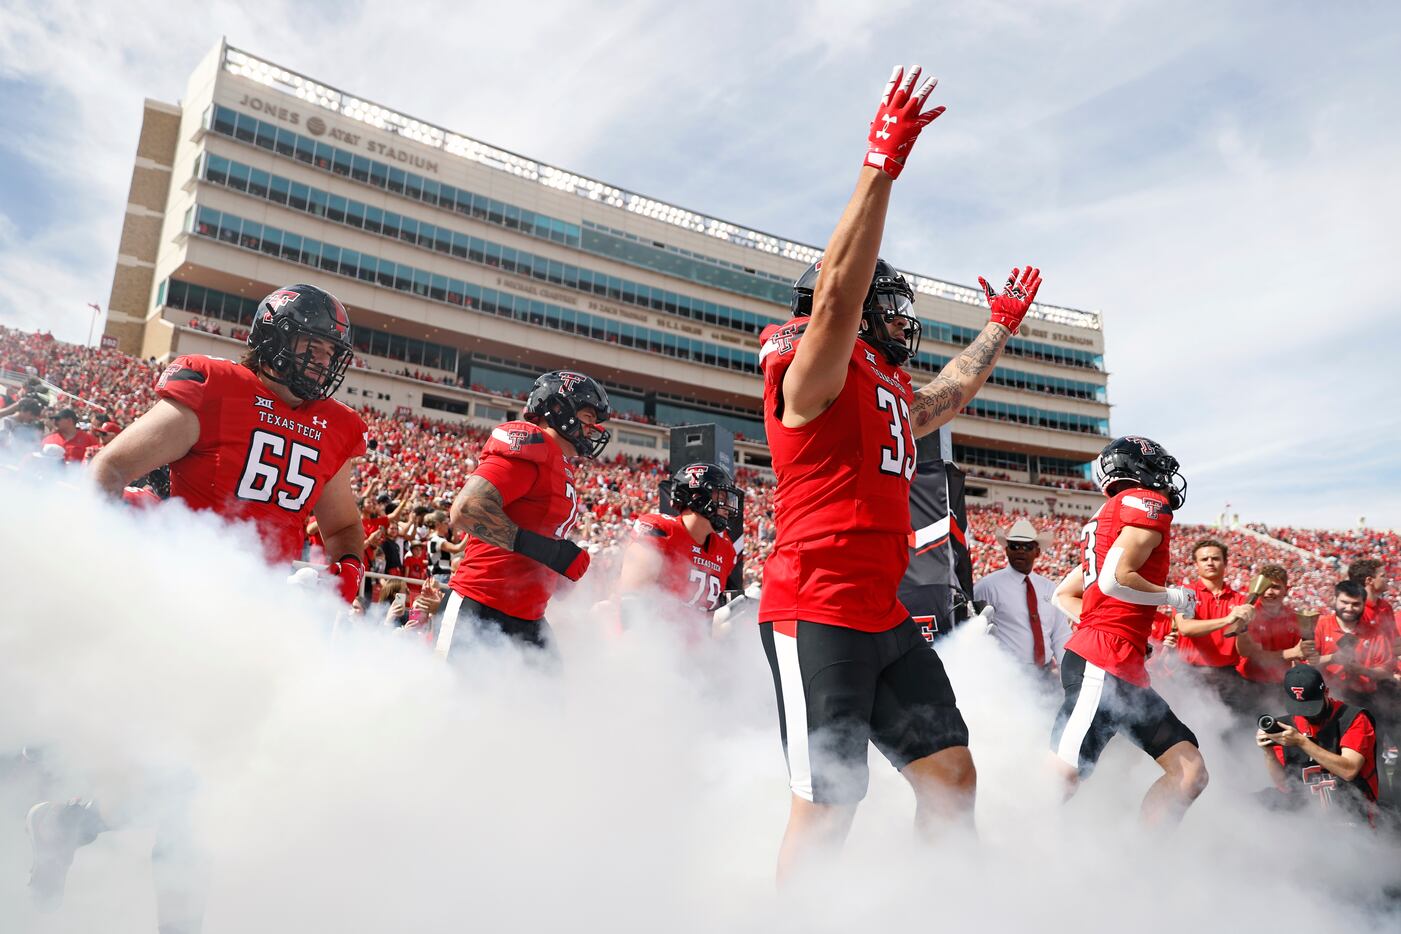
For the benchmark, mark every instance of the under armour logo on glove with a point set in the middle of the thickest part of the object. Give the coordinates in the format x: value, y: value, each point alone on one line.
x: 899, y: 120
x: 1010, y: 307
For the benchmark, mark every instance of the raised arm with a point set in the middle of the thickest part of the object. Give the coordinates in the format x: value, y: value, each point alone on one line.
x: 946, y: 394
x: 818, y: 370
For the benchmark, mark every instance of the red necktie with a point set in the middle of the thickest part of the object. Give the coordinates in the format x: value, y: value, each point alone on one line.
x: 1038, y: 650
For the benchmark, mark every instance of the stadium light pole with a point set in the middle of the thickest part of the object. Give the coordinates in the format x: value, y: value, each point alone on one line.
x: 93, y: 322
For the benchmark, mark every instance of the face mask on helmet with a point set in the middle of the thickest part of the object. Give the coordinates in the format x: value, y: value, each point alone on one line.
x: 310, y: 365
x: 588, y: 440
x: 883, y: 309
x: 714, y: 496
x: 1138, y: 462
x: 558, y: 397
x: 301, y: 339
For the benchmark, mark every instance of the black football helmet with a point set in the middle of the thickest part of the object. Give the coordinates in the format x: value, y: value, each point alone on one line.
x: 282, y: 321
x: 1140, y: 462
x: 889, y: 297
x: 708, y: 489
x: 558, y: 396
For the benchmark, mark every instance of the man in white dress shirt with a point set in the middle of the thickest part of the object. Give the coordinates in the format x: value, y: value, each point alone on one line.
x: 1026, y: 624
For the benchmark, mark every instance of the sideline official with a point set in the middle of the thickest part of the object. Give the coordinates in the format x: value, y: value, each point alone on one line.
x: 1026, y: 624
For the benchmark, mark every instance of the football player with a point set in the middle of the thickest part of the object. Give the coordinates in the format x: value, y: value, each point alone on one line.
x: 687, y: 556
x: 1115, y: 593
x: 518, y: 507
x: 257, y: 440
x: 260, y: 439
x: 849, y: 664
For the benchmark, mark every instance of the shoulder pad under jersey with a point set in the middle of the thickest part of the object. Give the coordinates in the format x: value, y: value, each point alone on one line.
x: 521, y: 440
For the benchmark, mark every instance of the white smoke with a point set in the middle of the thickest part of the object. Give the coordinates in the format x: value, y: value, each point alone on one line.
x: 348, y: 780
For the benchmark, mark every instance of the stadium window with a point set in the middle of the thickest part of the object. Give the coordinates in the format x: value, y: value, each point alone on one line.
x: 395, y: 181
x: 279, y: 190
x: 431, y: 192
x: 413, y: 186
x: 298, y: 198
x: 374, y: 219
x: 360, y: 169
x: 245, y: 128
x: 336, y: 208
x: 223, y: 121
x: 379, y: 344
x: 408, y: 229
x: 306, y: 151
x: 316, y: 202
x: 403, y: 276
x: 238, y: 176
x: 228, y: 230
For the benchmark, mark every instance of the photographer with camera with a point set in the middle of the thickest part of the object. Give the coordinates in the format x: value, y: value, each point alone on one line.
x: 1323, y: 753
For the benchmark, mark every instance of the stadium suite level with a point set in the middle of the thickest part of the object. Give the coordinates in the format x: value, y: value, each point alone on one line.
x: 474, y: 267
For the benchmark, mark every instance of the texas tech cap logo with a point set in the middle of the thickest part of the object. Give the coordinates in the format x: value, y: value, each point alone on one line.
x: 1298, y: 693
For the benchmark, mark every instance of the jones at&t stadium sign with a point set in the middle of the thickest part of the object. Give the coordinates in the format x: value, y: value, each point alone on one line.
x: 318, y: 127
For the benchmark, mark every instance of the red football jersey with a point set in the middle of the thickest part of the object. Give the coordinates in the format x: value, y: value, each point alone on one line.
x: 842, y: 503
x: 537, y: 489
x: 257, y: 458
x: 693, y: 574
x: 1112, y: 633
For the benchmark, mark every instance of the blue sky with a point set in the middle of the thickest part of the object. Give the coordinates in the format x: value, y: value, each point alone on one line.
x: 1218, y: 179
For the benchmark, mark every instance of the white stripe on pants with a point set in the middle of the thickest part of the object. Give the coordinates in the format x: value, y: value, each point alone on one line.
x: 1077, y: 726
x: 795, y: 713
x: 449, y: 624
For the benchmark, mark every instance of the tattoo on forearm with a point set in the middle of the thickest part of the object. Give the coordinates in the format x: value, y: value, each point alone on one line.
x: 946, y: 393
x: 483, y: 514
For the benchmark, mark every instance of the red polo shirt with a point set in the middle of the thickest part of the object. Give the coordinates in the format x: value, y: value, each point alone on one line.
x: 1374, y: 650
x: 1215, y: 649
x: 75, y: 448
x: 1273, y: 632
x: 1380, y: 611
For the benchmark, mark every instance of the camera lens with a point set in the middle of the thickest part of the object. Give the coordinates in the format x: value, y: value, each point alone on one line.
x: 1270, y: 725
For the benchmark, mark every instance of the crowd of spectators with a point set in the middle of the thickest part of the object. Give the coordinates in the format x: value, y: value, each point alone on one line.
x: 424, y: 461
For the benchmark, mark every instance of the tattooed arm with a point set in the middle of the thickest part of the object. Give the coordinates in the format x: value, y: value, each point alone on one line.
x: 944, y: 395
x: 479, y: 511
x: 937, y: 403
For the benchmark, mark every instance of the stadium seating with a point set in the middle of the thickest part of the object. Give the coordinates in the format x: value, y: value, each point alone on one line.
x: 429, y: 459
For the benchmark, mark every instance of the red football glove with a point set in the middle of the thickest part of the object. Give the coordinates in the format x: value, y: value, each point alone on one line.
x: 1009, y: 308
x: 349, y: 573
x: 898, y: 121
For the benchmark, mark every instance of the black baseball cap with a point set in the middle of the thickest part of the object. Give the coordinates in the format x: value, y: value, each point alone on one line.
x: 1303, y: 691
